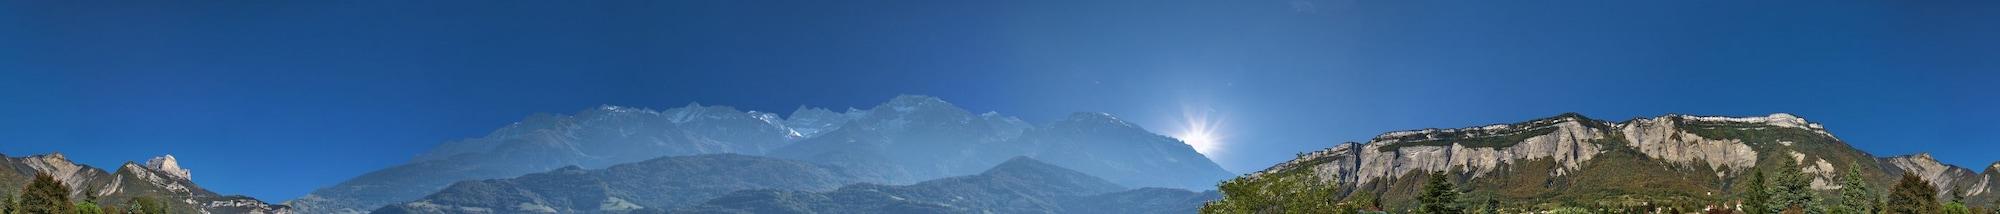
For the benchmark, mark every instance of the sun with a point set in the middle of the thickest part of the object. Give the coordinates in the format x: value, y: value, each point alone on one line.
x: 1199, y: 130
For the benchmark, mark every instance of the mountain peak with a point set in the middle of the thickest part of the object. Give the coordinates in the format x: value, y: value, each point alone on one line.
x: 167, y: 164
x: 915, y: 99
x: 53, y: 156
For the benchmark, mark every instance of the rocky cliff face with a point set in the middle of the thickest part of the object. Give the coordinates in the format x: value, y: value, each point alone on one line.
x: 1682, y: 157
x: 1567, y: 140
x: 161, y: 178
x: 1947, y: 178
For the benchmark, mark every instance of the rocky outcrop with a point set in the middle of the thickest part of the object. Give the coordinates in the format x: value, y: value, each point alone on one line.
x: 161, y: 178
x: 1946, y: 178
x: 1663, y: 138
x: 1565, y: 139
x: 167, y: 164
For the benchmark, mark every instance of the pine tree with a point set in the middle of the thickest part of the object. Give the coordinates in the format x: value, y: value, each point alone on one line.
x: 1912, y: 196
x: 1439, y: 197
x: 1855, y: 195
x: 1756, y: 195
x: 1792, y: 190
x: 44, y: 195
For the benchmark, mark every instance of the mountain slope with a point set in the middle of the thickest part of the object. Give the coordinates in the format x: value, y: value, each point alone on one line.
x: 161, y: 178
x: 1677, y: 161
x: 907, y: 139
x: 593, y: 138
x: 658, y: 184
x: 1019, y: 185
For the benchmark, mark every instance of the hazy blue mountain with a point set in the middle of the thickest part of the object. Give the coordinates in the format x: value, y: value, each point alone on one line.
x: 1106, y: 147
x: 916, y: 138
x: 1019, y: 185
x: 658, y: 184
x: 160, y: 178
x: 908, y: 139
x: 593, y: 138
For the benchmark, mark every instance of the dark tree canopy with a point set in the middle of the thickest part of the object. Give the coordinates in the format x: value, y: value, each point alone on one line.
x: 1913, y: 195
x: 44, y: 195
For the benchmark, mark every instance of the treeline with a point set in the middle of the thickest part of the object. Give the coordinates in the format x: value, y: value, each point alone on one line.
x: 44, y: 195
x: 1787, y: 191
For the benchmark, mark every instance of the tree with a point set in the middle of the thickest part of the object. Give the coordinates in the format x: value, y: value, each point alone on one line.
x: 1492, y: 206
x: 1792, y: 191
x: 44, y: 195
x: 1313, y: 197
x: 1912, y: 196
x: 87, y: 207
x: 1855, y: 195
x: 1956, y: 208
x: 6, y: 203
x: 146, y: 205
x: 1439, y: 196
x: 1756, y: 195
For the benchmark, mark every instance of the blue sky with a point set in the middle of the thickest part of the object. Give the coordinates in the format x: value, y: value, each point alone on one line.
x: 276, y: 98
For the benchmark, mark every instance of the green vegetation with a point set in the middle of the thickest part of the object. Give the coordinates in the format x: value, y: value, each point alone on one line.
x: 1758, y: 196
x: 1291, y: 192
x: 1792, y: 192
x: 1440, y: 197
x: 88, y: 207
x: 145, y: 205
x: 44, y: 195
x: 1855, y: 195
x: 1913, y: 195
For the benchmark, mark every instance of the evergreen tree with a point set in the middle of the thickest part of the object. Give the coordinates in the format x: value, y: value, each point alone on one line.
x: 1439, y: 196
x: 1855, y: 195
x: 1792, y: 191
x: 145, y: 205
x: 1912, y: 196
x: 1756, y: 194
x: 1492, y: 206
x: 44, y: 195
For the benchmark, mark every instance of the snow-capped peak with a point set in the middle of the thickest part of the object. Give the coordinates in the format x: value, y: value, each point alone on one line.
x: 167, y: 164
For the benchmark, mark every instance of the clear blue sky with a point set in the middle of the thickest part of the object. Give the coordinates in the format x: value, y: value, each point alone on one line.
x: 276, y: 98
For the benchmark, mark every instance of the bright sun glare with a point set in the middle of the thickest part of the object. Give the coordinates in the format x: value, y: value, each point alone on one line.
x: 1200, y: 130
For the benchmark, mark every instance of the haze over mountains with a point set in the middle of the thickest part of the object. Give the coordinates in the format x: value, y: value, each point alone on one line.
x: 1679, y: 161
x: 905, y: 140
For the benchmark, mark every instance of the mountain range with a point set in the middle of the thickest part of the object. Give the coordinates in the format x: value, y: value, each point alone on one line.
x: 160, y: 179
x: 1019, y: 185
x: 1674, y: 160
x: 906, y: 140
